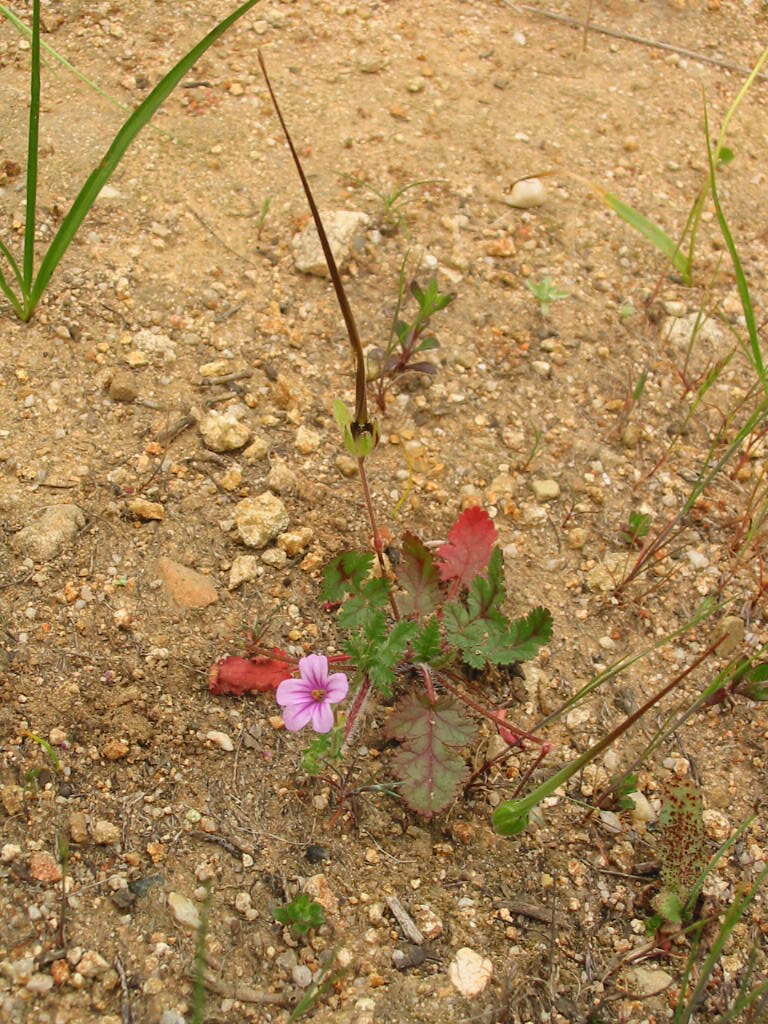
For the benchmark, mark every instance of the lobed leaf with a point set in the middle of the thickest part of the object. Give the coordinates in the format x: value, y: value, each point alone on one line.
x: 345, y: 575
x: 427, y: 764
x: 426, y: 646
x: 467, y: 551
x: 417, y: 575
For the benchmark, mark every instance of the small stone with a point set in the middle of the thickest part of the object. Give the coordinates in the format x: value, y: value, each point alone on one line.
x: 697, y: 559
x: 674, y: 308
x: 91, y: 964
x: 281, y: 478
x: 104, y: 833
x: 274, y: 557
x: 427, y: 921
x: 256, y: 450
x: 155, y: 344
x: 259, y: 520
x: 40, y: 984
x: 372, y: 856
x: 342, y: 227
x: 217, y: 368
x: 46, y: 537
x: 78, y: 827
x: 302, y: 976
x: 346, y: 465
x: 57, y: 737
x: 295, y: 541
x: 527, y: 193
x: 716, y: 825
x: 642, y: 811
x: 146, y: 510
x: 184, y: 910
x: 135, y: 359
x: 542, y: 368
x: 172, y: 1017
x: 244, y: 568
x: 188, y: 588
x: 607, y: 575
x: 546, y: 490
x: 232, y: 479
x: 679, y: 330
x: 122, y: 387
x: 577, y: 538
x: 315, y: 854
x: 469, y: 972
x: 60, y: 972
x: 319, y: 890
x: 223, y: 431
x: 650, y: 980
x: 732, y: 628
x: 13, y: 799
x: 630, y: 436
x: 44, y: 868
x: 9, y: 852
x: 220, y: 739
x: 115, y: 750
x: 307, y: 441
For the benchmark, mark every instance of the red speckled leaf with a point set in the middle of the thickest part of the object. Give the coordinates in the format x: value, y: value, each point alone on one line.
x: 418, y: 577
x: 428, y: 764
x: 236, y: 676
x: 467, y: 551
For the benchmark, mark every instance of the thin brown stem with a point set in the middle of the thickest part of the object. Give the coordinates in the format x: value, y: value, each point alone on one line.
x: 377, y: 544
x: 497, y: 719
x: 426, y: 675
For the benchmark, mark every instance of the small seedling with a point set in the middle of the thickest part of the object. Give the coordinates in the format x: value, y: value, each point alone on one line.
x: 394, y: 202
x: 545, y: 293
x: 407, y: 340
x: 262, y: 215
x: 300, y: 915
x: 638, y: 525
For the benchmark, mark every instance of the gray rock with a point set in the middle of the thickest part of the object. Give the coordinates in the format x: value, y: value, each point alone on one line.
x: 341, y: 227
x: 546, y: 490
x: 259, y: 520
x: 156, y: 345
x: 47, y: 536
x: 184, y: 910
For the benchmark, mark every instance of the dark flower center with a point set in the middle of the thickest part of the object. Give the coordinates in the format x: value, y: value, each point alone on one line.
x: 318, y: 695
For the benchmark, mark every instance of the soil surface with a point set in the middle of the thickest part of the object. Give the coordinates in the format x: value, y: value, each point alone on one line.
x: 180, y: 298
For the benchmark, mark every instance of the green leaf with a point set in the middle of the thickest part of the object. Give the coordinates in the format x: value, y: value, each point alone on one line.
x: 324, y: 747
x: 682, y: 845
x: 426, y: 646
x: 387, y: 655
x: 345, y: 575
x: 725, y: 155
x: 417, y: 575
x: 341, y: 414
x: 527, y: 635
x: 638, y: 525
x: 755, y: 685
x: 301, y: 914
x: 427, y: 763
x: 510, y: 819
x: 355, y: 611
x: 651, y: 233
x: 427, y: 345
x: 114, y: 154
x: 669, y: 906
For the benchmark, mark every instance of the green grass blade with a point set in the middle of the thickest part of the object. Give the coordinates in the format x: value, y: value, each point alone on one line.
x: 13, y: 265
x: 33, y: 138
x: 651, y: 232
x: 9, y: 293
x: 735, y: 913
x: 738, y: 269
x: 109, y: 162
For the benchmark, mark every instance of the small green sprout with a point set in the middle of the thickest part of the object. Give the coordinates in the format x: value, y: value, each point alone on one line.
x: 301, y: 914
x: 638, y: 525
x: 545, y: 293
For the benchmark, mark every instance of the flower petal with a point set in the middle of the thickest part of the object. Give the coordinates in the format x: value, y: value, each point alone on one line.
x: 322, y: 716
x: 336, y: 688
x: 296, y: 717
x: 292, y: 691
x: 314, y: 668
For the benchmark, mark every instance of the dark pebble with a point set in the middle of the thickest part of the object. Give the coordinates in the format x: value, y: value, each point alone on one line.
x: 315, y: 854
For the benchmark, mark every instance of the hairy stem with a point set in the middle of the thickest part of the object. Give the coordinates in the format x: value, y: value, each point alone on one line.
x: 497, y: 719
x: 377, y: 544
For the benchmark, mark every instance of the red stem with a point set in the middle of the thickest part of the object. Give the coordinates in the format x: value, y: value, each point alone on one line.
x: 377, y: 545
x: 426, y: 675
x: 357, y: 707
x: 489, y: 714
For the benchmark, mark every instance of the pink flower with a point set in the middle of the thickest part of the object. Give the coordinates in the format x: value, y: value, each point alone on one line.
x: 309, y: 699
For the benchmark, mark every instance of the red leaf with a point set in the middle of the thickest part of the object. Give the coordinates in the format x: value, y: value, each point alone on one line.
x: 236, y: 676
x: 470, y: 542
x: 417, y: 575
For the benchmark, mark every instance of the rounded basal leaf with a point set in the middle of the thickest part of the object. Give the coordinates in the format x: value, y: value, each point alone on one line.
x: 510, y: 818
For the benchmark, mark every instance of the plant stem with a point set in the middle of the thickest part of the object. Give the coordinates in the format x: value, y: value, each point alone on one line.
x: 426, y: 675
x: 32, y: 150
x: 377, y: 544
x: 497, y: 719
x: 357, y: 706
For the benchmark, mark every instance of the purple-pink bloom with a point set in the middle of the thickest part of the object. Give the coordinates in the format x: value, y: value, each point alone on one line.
x: 309, y: 699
